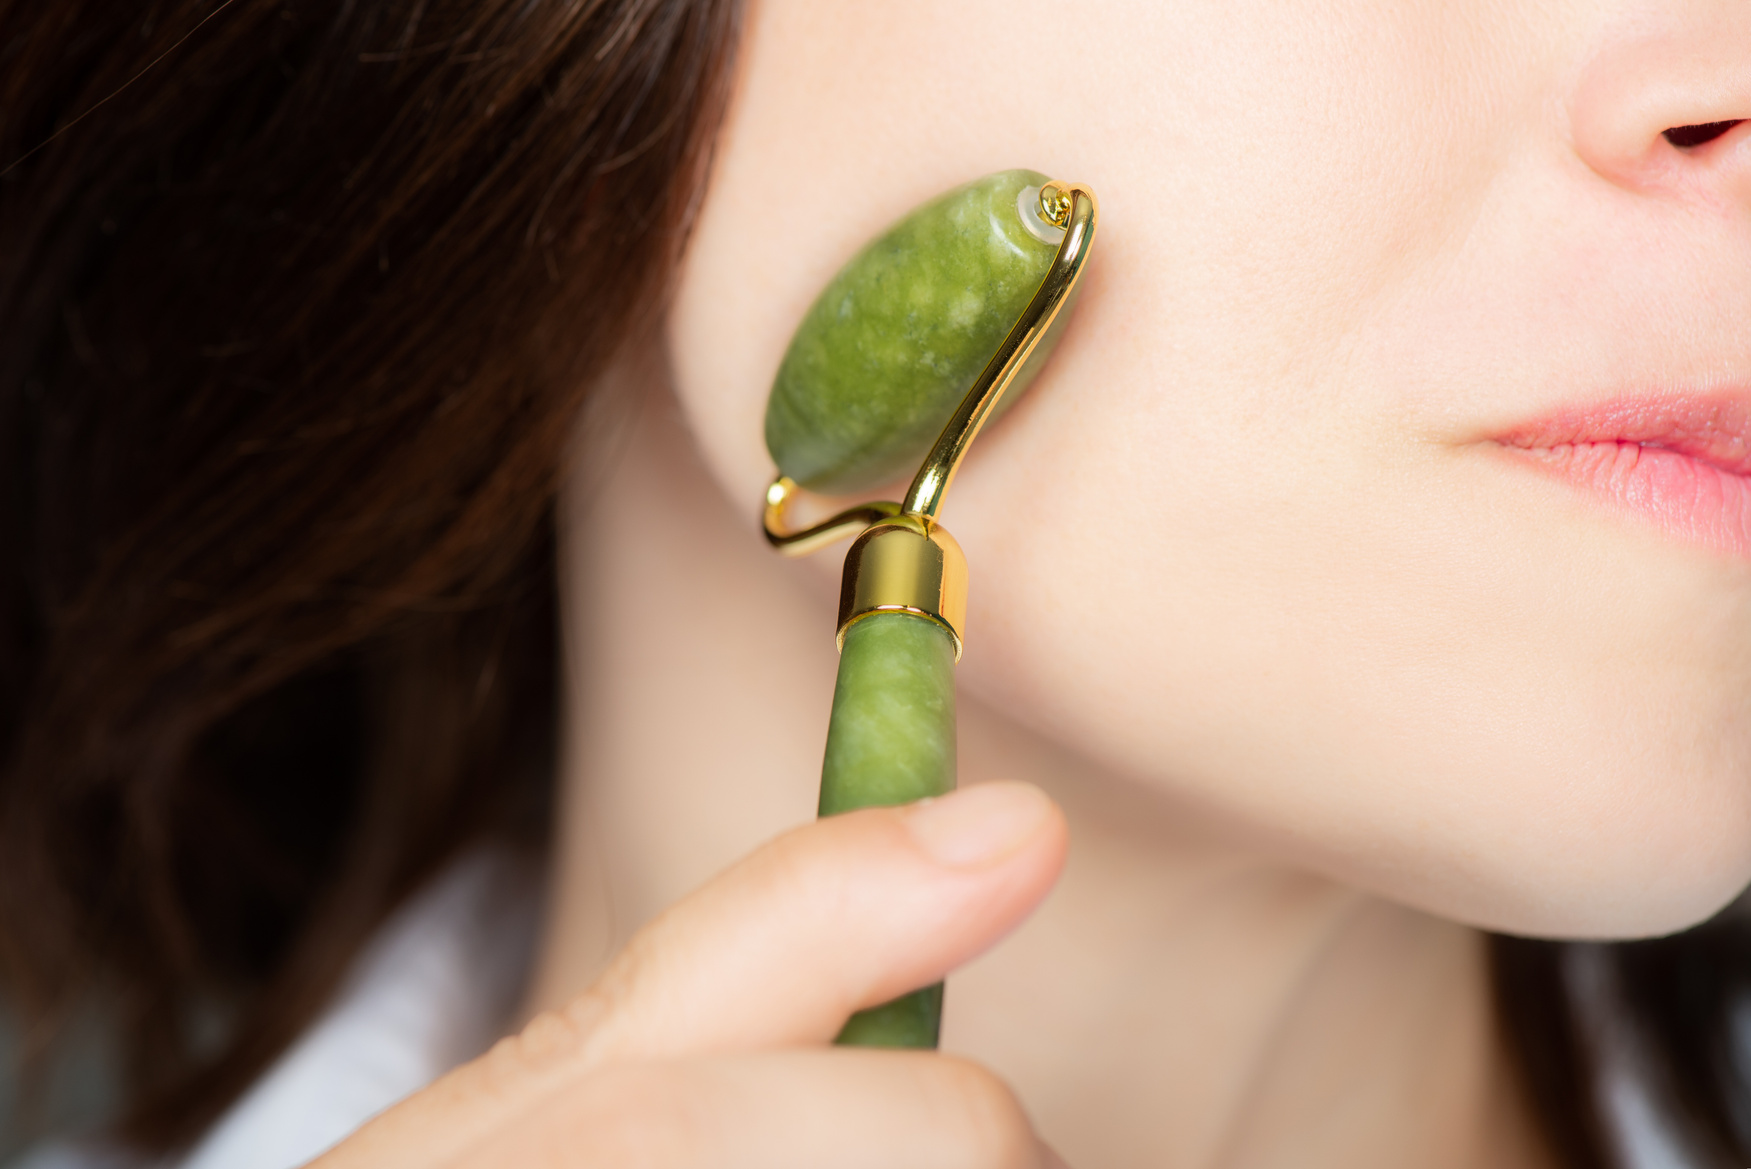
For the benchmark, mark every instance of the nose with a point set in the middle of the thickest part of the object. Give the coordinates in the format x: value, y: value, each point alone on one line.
x: 1665, y: 106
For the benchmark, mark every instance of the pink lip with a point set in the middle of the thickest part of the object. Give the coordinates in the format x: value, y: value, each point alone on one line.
x: 1683, y: 462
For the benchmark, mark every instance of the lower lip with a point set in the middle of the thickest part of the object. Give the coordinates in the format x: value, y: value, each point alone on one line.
x: 1688, y: 497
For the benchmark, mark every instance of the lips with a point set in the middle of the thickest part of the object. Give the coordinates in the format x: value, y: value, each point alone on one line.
x: 1683, y: 463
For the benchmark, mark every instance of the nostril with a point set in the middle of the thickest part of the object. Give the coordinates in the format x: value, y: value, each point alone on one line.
x: 1685, y: 137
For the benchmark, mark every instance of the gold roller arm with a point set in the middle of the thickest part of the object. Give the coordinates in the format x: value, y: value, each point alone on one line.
x: 802, y: 541
x: 1068, y: 205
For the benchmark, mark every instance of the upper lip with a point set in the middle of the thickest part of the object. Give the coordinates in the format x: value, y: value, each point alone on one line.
x: 1711, y: 428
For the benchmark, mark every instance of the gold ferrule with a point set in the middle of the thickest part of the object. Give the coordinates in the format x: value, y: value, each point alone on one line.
x: 907, y: 564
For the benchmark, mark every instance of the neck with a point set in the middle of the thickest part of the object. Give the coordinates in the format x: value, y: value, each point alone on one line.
x: 1175, y: 1002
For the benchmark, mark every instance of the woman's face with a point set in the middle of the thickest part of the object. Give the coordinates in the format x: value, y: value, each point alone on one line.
x: 1385, y: 503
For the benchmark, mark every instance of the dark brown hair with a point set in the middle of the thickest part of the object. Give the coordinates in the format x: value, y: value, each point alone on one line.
x: 293, y: 329
x: 297, y: 323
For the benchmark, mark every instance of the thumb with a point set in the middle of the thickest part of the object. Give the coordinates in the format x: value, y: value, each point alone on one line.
x: 842, y: 914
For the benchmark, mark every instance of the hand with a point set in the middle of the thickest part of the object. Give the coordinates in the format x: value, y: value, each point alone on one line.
x: 706, y: 1045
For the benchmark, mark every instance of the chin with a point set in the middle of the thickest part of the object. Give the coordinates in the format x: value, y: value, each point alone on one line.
x: 1661, y: 852
x: 1556, y: 740
x: 1647, y: 834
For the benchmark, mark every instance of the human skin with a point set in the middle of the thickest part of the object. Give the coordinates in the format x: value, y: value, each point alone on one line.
x: 1323, y: 669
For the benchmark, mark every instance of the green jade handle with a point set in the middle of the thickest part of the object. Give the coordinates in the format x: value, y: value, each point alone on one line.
x: 891, y: 740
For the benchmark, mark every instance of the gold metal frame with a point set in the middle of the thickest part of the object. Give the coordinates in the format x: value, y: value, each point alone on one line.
x: 1071, y: 206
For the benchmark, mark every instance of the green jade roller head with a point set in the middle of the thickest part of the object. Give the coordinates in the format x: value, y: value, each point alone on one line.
x: 925, y: 336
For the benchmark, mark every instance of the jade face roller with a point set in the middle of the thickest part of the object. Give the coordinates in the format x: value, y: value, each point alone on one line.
x: 914, y: 346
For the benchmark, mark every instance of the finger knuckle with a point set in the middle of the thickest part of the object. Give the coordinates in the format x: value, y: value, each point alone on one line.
x: 550, y: 1041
